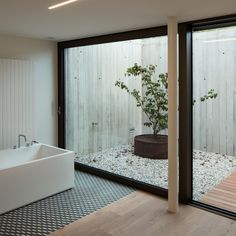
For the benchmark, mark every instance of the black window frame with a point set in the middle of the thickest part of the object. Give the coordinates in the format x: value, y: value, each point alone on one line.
x: 185, y: 104
x: 130, y: 35
x: 185, y: 108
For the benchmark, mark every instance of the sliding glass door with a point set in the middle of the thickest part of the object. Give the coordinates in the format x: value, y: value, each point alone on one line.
x: 214, y: 116
x: 112, y: 91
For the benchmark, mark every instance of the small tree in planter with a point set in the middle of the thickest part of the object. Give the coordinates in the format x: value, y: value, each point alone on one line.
x: 154, y: 103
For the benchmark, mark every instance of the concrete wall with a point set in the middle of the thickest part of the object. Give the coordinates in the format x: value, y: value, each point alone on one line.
x: 214, y: 60
x: 98, y: 114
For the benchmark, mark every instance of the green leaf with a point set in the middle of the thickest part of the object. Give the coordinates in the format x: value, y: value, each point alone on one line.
x: 153, y: 99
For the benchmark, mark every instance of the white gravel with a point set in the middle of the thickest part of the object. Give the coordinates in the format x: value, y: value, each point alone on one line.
x: 208, y: 168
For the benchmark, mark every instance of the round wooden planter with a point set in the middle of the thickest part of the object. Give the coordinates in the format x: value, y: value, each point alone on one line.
x: 151, y: 146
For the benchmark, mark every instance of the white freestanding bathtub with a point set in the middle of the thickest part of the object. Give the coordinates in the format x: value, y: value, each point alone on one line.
x: 32, y: 173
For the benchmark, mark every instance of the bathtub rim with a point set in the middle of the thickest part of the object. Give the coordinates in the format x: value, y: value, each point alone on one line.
x: 65, y: 151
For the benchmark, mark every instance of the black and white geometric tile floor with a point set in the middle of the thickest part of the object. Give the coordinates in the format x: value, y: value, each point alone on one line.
x: 45, y: 216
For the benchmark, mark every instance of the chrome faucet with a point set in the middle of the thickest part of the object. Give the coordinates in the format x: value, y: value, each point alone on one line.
x: 32, y: 142
x: 19, y: 136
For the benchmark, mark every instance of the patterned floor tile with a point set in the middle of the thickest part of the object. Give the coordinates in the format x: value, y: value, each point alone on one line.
x: 45, y: 216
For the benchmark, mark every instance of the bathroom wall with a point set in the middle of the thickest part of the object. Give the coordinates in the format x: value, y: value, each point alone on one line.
x: 43, y: 55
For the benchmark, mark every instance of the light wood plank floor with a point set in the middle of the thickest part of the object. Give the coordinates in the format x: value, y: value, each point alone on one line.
x: 142, y: 214
x: 223, y: 195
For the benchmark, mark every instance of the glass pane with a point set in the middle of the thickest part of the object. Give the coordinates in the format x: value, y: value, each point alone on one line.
x: 214, y: 123
x: 102, y: 119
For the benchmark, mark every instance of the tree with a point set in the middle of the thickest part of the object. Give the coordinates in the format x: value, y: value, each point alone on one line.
x: 154, y: 99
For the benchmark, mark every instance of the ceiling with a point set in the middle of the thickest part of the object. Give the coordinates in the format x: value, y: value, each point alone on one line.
x: 85, y: 18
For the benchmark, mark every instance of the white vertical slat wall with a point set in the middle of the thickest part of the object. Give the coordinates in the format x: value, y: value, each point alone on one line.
x: 16, y: 101
x: 214, y: 67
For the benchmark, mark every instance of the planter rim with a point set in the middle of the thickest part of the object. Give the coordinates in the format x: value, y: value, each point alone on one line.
x: 150, y: 138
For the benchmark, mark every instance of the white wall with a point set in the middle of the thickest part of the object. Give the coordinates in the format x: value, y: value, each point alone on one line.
x: 44, y: 56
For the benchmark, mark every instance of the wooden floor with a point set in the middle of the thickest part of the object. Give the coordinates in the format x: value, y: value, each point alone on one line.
x: 223, y: 195
x: 142, y: 214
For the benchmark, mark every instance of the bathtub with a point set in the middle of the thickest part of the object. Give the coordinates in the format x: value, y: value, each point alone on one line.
x: 28, y: 174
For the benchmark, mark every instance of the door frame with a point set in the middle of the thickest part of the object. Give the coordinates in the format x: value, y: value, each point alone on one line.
x: 130, y: 35
x: 185, y: 104
x: 185, y: 108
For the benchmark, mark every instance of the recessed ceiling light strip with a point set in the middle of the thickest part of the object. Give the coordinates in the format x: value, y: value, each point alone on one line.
x: 61, y: 4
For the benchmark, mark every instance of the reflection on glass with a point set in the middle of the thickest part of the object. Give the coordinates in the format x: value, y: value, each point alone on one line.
x: 214, y: 123
x: 102, y: 119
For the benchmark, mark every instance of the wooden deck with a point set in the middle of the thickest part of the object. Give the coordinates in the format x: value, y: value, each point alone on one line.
x: 223, y: 195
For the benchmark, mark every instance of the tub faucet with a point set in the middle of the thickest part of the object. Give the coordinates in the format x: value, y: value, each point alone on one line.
x: 32, y: 142
x: 19, y: 136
